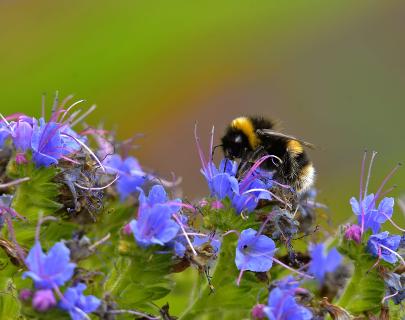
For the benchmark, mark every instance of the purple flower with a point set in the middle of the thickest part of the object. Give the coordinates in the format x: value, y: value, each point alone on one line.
x: 77, y: 304
x: 154, y: 225
x: 49, y: 270
x: 373, y: 217
x: 43, y: 300
x: 131, y: 175
x: 384, y: 246
x: 323, y: 262
x: 254, y: 252
x: 283, y: 306
x: 158, y: 195
x: 46, y: 143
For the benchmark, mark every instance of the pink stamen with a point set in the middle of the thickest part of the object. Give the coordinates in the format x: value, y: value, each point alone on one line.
x: 184, y: 233
x: 210, y: 151
x: 14, y: 116
x: 70, y: 160
x: 11, y: 232
x: 269, y: 216
x: 291, y: 269
x: 13, y: 183
x: 240, y: 277
x: 269, y: 192
x: 180, y: 204
x: 255, y: 166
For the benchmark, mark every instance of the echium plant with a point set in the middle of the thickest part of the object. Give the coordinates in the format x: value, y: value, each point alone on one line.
x: 88, y: 233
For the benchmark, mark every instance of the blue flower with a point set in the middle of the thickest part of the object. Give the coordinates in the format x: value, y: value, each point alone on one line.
x: 22, y: 134
x: 154, y: 225
x: 4, y: 133
x: 289, y: 283
x: 46, y: 143
x: 373, y: 218
x: 68, y: 136
x: 378, y: 243
x: 77, y: 304
x: 283, y: 306
x: 158, y: 195
x: 221, y: 182
x: 254, y: 253
x: 323, y: 262
x: 49, y: 270
x: 131, y: 176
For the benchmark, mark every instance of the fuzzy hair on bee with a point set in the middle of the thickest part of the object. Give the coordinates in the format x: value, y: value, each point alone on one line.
x: 247, y: 138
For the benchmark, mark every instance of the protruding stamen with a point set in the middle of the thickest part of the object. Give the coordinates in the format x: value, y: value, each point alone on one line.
x: 84, y: 115
x: 393, y: 223
x: 231, y: 231
x: 369, y: 172
x: 387, y: 178
x: 87, y: 148
x: 99, y: 242
x: 395, y: 253
x: 97, y: 188
x: 200, y: 152
x: 184, y: 233
x: 388, y: 297
x: 363, y: 162
x: 293, y: 270
x: 269, y: 192
x: 70, y: 108
x: 240, y: 277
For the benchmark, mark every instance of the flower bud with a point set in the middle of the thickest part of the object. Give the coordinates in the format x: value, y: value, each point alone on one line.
x: 43, y: 300
x: 25, y: 294
x: 258, y: 312
x: 353, y: 232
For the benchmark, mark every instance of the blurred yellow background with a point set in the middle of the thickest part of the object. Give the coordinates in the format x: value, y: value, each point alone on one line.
x: 332, y: 71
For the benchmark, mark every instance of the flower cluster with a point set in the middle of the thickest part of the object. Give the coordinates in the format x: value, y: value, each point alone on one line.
x: 276, y: 262
x: 51, y: 271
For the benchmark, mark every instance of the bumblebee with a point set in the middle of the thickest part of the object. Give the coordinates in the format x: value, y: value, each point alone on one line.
x: 248, y: 138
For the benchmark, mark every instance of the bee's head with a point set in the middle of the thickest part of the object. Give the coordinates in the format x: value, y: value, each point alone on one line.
x: 235, y: 143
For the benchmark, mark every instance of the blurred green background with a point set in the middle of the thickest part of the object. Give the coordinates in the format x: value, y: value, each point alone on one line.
x: 332, y: 71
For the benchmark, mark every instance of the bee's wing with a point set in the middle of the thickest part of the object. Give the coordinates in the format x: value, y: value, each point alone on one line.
x: 269, y: 132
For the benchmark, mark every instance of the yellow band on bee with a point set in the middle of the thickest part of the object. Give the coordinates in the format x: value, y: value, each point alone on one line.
x: 245, y: 125
x: 294, y: 147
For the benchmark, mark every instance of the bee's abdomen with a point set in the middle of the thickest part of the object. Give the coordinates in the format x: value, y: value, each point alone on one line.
x: 296, y: 170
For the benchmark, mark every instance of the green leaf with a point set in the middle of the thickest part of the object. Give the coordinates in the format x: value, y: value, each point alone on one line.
x: 365, y: 289
x: 228, y: 301
x: 139, y: 275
